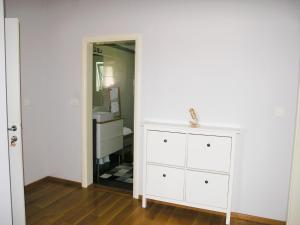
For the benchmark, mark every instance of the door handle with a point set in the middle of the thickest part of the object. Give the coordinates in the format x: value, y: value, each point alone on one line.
x: 13, y: 141
x: 13, y: 128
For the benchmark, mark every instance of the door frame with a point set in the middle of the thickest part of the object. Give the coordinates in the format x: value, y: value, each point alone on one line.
x: 293, y: 216
x: 86, y: 107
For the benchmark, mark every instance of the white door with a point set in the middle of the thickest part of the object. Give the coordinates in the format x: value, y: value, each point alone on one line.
x: 14, y: 120
x: 5, y: 200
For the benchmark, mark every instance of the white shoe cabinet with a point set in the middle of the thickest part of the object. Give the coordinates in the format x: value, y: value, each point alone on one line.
x: 189, y: 166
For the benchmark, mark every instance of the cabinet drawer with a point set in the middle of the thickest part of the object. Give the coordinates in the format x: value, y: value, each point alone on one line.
x: 165, y: 182
x: 109, y: 146
x: 166, y: 148
x: 207, y: 189
x: 110, y: 129
x: 209, y: 152
x: 109, y: 138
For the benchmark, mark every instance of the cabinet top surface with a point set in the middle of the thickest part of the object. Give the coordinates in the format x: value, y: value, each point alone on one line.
x: 185, y: 128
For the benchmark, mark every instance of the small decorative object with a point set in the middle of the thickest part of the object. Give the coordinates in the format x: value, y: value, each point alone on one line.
x: 194, y: 121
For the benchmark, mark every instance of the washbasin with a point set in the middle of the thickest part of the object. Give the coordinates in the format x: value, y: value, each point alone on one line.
x: 103, y: 116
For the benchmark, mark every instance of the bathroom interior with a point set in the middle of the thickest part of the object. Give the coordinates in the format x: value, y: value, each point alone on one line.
x: 113, y: 114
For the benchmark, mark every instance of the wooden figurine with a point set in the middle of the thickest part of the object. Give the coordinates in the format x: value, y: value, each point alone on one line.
x: 194, y: 122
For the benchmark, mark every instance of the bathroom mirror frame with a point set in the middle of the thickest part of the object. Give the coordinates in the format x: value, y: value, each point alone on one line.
x: 86, y: 108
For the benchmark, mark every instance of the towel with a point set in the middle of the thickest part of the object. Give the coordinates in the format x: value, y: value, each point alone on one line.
x: 115, y: 107
x: 114, y: 94
x: 126, y: 131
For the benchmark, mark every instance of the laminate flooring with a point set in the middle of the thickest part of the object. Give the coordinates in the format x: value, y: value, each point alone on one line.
x: 58, y: 203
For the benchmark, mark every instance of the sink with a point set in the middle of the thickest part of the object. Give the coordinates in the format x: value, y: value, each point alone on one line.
x: 103, y: 116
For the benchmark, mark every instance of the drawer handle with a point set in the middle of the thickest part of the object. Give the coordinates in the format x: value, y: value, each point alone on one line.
x: 208, y: 145
x: 164, y: 175
x: 165, y: 140
x: 206, y: 181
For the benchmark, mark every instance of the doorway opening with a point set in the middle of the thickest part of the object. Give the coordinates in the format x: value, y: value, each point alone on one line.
x: 111, y: 112
x: 113, y: 105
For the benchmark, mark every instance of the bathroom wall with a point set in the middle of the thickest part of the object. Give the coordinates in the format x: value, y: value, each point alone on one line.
x: 236, y: 62
x: 121, y: 65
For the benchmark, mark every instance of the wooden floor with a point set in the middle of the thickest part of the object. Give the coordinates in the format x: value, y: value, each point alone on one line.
x: 52, y: 202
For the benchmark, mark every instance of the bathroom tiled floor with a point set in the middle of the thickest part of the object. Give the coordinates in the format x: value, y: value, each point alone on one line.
x: 122, y: 173
x: 118, y: 172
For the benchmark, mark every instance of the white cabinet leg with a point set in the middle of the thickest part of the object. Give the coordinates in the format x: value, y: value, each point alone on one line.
x: 144, y: 202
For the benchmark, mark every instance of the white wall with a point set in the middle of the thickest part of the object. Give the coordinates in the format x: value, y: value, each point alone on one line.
x: 5, y: 203
x: 235, y: 61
